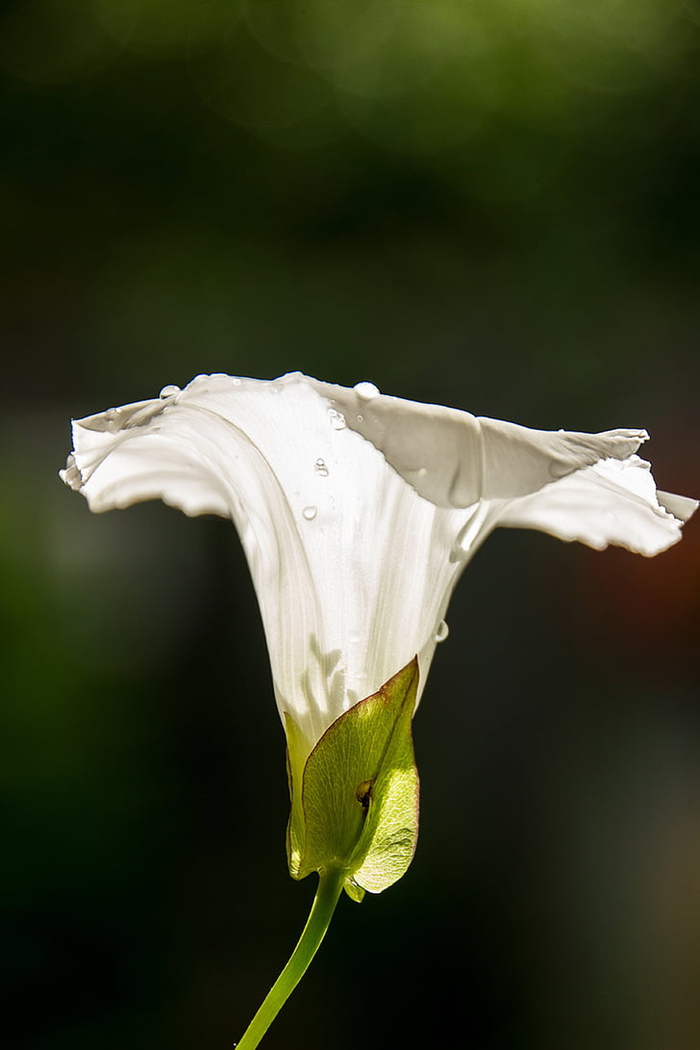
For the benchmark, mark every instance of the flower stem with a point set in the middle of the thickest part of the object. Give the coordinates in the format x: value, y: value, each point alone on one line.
x: 330, y: 885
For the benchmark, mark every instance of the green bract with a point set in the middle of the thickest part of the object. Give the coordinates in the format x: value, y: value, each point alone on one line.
x: 355, y: 798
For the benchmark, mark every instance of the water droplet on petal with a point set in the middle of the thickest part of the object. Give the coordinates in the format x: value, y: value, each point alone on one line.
x: 236, y: 381
x: 309, y: 513
x: 442, y: 631
x: 320, y: 468
x: 169, y: 391
x: 366, y: 391
x: 337, y: 419
x: 110, y: 421
x: 360, y: 419
x: 422, y: 471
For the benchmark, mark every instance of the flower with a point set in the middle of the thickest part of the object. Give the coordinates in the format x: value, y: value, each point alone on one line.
x: 358, y: 511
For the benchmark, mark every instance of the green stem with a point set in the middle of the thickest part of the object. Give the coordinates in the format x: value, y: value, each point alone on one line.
x: 330, y: 885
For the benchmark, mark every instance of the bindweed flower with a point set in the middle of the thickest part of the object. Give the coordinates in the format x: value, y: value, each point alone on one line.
x: 358, y: 513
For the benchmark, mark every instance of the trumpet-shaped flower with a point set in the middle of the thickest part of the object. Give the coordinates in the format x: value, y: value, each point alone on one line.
x: 357, y: 513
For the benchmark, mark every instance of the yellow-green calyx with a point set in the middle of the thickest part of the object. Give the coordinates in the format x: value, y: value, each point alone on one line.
x: 355, y: 797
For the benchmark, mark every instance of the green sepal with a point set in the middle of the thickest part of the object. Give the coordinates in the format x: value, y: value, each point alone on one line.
x: 354, y: 798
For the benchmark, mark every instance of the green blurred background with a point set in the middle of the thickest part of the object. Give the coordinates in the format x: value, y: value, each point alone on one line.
x: 491, y: 204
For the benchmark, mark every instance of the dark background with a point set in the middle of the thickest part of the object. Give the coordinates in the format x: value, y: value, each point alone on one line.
x: 491, y: 205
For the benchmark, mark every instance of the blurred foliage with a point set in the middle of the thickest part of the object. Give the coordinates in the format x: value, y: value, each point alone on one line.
x: 486, y: 204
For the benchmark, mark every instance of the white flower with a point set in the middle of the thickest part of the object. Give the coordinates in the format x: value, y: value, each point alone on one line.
x: 358, y: 512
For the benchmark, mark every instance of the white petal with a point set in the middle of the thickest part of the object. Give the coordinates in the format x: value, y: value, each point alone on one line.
x: 353, y: 567
x: 680, y: 507
x: 453, y: 458
x: 611, y: 502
